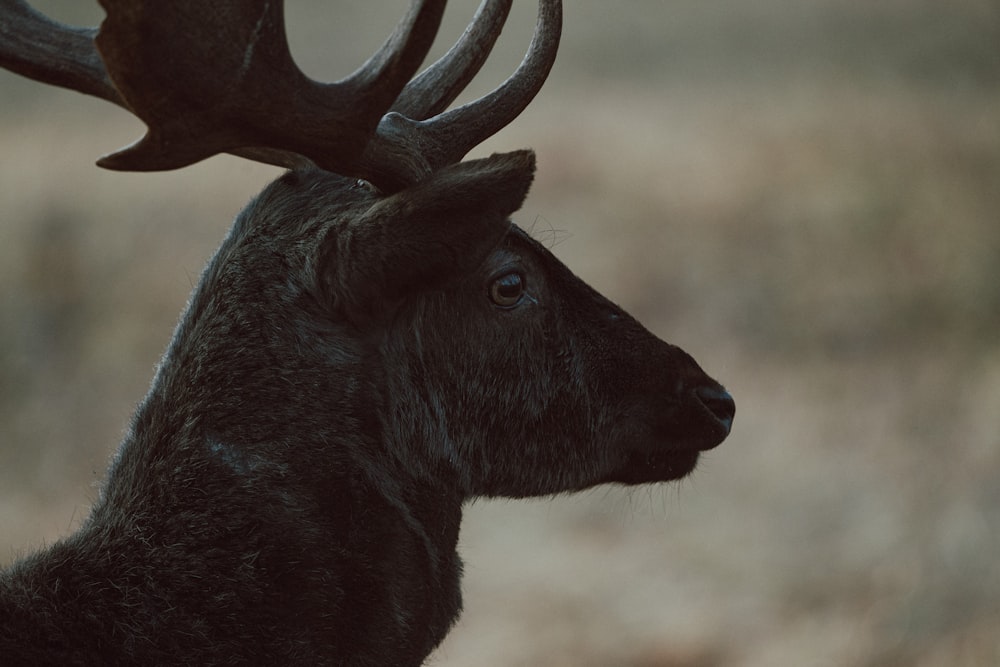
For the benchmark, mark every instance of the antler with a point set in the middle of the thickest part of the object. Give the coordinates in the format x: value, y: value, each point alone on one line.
x: 418, y: 137
x: 208, y: 78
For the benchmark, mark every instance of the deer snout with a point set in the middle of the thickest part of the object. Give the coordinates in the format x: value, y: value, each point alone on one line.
x: 721, y: 407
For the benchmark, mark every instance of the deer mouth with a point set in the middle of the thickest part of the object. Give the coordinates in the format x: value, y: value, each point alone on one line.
x: 655, y: 466
x: 667, y: 447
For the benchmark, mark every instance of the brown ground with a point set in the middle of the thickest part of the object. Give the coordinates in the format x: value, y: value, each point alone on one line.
x: 806, y: 196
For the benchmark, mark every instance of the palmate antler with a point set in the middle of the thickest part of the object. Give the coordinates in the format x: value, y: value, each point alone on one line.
x: 215, y: 77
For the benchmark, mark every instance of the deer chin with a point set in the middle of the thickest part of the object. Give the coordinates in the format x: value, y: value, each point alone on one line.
x: 644, y: 467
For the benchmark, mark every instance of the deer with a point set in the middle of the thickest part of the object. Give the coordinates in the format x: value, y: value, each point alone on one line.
x: 374, y: 344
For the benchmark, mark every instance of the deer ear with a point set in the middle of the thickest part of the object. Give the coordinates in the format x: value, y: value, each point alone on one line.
x: 425, y: 235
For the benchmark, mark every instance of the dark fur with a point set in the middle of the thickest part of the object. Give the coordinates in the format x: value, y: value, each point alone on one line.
x: 291, y: 488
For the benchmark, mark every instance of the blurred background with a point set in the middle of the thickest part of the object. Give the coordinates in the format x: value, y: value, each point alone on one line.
x: 804, y: 195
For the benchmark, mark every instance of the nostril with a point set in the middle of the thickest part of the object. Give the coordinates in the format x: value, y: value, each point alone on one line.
x: 719, y: 402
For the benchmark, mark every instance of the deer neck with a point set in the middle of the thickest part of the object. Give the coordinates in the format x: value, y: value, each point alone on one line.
x: 208, y: 534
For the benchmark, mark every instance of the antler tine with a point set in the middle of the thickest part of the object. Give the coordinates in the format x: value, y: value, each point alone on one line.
x: 456, y: 132
x: 240, y: 88
x: 217, y: 77
x: 430, y: 93
x: 406, y: 150
x: 35, y: 46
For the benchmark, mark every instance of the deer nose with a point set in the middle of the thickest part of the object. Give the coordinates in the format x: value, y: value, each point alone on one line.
x: 720, y: 403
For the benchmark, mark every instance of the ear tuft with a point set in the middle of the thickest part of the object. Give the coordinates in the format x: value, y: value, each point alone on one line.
x: 495, y: 186
x: 505, y: 177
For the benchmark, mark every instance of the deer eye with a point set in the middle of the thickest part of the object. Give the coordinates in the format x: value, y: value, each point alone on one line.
x: 506, y: 291
x: 362, y: 184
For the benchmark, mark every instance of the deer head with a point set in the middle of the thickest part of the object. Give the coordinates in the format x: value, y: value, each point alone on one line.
x: 373, y: 344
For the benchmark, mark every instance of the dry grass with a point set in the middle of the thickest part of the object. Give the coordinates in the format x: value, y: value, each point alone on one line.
x: 806, y: 199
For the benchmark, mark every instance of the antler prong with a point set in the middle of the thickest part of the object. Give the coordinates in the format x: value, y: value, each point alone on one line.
x: 217, y: 77
x: 437, y: 86
x: 458, y: 131
x: 35, y: 46
x: 447, y: 137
